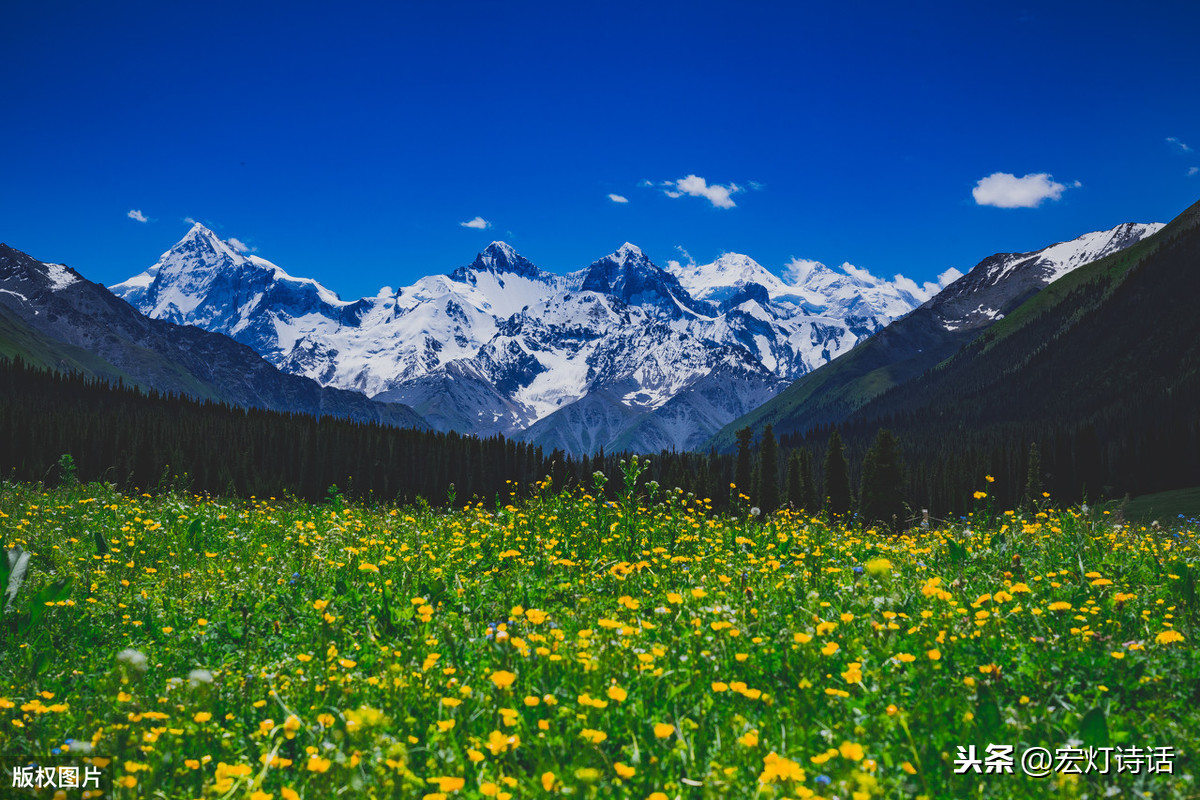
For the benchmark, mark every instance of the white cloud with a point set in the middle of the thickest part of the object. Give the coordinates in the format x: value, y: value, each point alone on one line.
x: 616, y: 198
x: 134, y: 214
x: 644, y: 182
x: 189, y: 220
x: 798, y: 269
x: 929, y: 288
x: 1005, y: 190
x: 239, y: 245
x: 756, y: 186
x: 948, y: 277
x: 1179, y: 144
x: 479, y: 223
x: 686, y: 255
x: 1193, y: 170
x: 909, y: 285
x: 695, y: 186
x: 858, y: 273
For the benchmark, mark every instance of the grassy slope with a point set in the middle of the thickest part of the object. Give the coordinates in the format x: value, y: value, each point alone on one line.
x: 1107, y: 272
x: 19, y: 340
x: 1162, y: 506
x: 854, y: 382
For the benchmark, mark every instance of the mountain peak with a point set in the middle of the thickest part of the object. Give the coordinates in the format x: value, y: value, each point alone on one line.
x: 500, y: 247
x: 498, y: 258
x: 628, y: 251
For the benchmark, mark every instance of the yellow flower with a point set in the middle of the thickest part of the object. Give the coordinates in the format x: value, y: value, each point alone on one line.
x: 663, y: 730
x: 593, y: 736
x: 778, y: 768
x: 489, y: 789
x: 830, y: 648
x: 445, y: 725
x: 878, y: 566
x: 475, y: 756
x: 288, y: 793
x: 657, y: 796
x: 980, y: 495
x: 851, y: 750
x: 499, y: 743
x: 624, y: 770
x: 448, y: 784
x: 318, y: 764
x: 202, y: 717
x: 934, y: 654
x: 720, y: 686
x: 503, y: 678
x: 1168, y: 637
x: 547, y: 780
x: 617, y: 693
x: 749, y: 739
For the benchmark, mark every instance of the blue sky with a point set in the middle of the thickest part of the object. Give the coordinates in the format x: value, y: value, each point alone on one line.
x: 349, y: 142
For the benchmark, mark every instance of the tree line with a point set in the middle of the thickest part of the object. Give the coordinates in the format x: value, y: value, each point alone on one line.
x: 886, y: 474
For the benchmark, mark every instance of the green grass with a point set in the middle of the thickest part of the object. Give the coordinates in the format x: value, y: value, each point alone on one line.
x: 568, y: 647
x: 1164, y: 507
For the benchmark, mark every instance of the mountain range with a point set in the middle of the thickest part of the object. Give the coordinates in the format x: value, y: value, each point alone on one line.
x: 51, y: 316
x: 622, y: 353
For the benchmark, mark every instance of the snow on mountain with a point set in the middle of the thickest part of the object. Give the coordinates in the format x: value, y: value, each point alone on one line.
x: 1000, y: 282
x: 501, y: 346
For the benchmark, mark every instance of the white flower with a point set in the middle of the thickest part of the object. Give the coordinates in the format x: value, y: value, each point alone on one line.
x: 199, y: 676
x: 132, y: 659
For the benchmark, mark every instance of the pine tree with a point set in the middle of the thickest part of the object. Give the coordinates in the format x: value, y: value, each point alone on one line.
x: 1033, y: 477
x: 837, y: 477
x: 742, y: 476
x: 768, y: 472
x: 809, y: 497
x: 795, y: 491
x: 881, y: 498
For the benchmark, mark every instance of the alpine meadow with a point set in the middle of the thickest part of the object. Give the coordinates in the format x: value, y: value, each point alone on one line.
x: 630, y: 401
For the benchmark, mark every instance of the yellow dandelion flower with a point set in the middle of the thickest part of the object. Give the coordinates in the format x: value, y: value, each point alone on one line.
x: 1168, y: 637
x: 503, y: 678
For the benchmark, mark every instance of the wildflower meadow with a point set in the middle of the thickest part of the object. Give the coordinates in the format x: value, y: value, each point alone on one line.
x: 571, y: 646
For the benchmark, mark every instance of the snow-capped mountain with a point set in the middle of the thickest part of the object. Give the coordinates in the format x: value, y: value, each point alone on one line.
x: 638, y: 355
